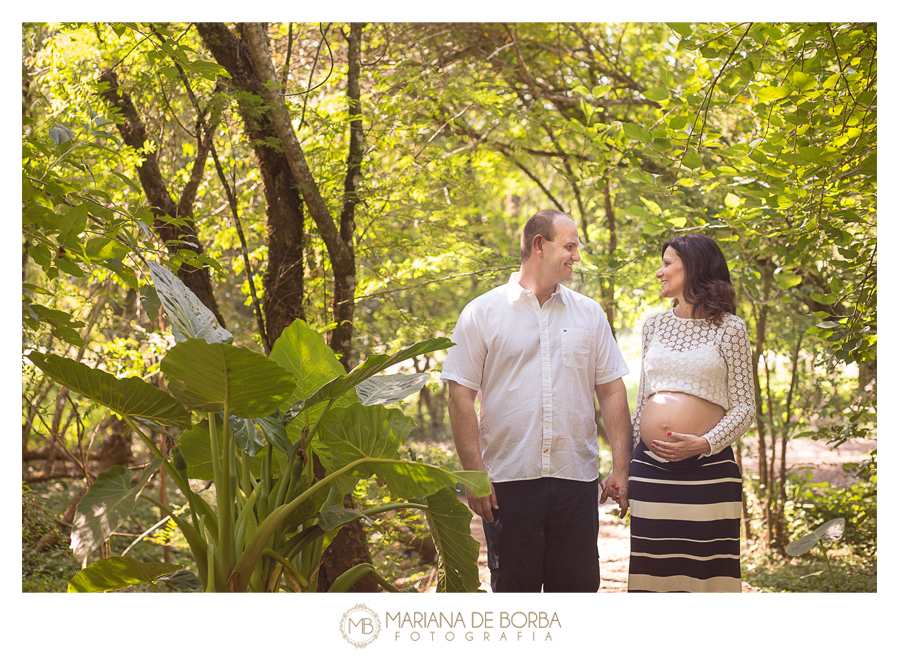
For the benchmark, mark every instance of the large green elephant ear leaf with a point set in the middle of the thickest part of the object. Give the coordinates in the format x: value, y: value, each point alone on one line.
x: 104, y: 506
x: 118, y: 573
x: 303, y: 352
x: 203, y: 375
x: 449, y: 521
x: 357, y: 432
x: 387, y: 389
x: 339, y: 386
x: 374, y: 433
x: 187, y: 314
x: 131, y: 397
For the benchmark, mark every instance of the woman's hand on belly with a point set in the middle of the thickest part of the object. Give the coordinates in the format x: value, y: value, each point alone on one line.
x: 679, y: 446
x: 672, y: 424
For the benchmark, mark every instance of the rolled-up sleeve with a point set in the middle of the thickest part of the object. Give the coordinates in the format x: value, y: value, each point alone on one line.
x: 465, y: 360
x: 610, y: 365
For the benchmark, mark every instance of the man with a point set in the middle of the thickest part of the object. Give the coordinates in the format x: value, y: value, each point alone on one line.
x: 535, y: 353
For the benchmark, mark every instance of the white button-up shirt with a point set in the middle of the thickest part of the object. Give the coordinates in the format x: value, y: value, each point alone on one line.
x: 535, y: 368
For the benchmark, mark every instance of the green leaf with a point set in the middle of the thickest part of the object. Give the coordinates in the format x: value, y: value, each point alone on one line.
x: 371, y: 366
x: 303, y: 352
x: 130, y: 183
x: 802, y: 545
x: 72, y: 225
x: 275, y: 432
x: 652, y: 206
x: 150, y: 301
x: 337, y: 515
x: 60, y: 134
x: 359, y: 432
x: 811, y: 153
x: 183, y: 580
x: 830, y: 530
x: 189, y: 317
x: 691, y: 160
x: 656, y: 94
x: 132, y: 397
x: 416, y: 480
x: 787, y: 280
x: 62, y: 324
x: 824, y: 299
x: 246, y: 436
x: 104, y: 506
x: 684, y: 29
x: 105, y: 249
x: 803, y: 81
x: 387, y: 389
x: 119, y: 573
x: 767, y: 94
x: 636, y: 132
x: 201, y: 375
x: 449, y: 521
x: 355, y: 432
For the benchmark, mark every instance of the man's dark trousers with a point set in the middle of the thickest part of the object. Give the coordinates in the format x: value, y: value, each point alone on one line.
x: 544, y: 535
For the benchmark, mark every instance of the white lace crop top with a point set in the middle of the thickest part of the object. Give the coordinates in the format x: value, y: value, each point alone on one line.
x: 685, y: 355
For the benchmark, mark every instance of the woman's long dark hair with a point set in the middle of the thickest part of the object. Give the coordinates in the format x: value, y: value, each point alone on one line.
x: 707, y: 281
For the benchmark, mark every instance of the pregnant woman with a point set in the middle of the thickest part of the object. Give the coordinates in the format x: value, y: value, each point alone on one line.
x: 695, y: 399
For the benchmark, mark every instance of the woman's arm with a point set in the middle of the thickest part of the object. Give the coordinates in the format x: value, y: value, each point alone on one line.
x: 737, y: 420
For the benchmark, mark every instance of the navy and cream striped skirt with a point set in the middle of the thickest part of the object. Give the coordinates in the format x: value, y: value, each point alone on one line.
x: 685, y: 523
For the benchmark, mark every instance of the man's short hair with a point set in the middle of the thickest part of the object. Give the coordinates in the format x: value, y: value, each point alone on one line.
x: 540, y: 224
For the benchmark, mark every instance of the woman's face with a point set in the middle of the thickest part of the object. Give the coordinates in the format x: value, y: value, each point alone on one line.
x: 671, y: 274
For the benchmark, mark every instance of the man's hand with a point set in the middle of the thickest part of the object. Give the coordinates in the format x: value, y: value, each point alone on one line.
x: 616, y: 487
x: 464, y: 423
x: 613, y: 401
x: 483, y: 505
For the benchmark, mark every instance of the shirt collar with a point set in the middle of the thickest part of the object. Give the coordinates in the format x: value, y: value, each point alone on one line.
x: 514, y: 292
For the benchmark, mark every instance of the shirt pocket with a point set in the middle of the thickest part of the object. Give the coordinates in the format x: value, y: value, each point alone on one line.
x: 576, y: 347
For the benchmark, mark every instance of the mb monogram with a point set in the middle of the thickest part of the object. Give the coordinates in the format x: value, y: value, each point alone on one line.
x: 360, y: 625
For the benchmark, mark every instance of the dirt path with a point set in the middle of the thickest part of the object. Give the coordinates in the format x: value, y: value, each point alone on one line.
x: 613, y: 540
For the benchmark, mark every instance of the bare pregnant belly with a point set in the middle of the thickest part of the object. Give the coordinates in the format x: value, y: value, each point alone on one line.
x: 677, y: 412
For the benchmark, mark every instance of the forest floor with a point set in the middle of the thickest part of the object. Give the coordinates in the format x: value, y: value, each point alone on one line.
x: 613, y: 540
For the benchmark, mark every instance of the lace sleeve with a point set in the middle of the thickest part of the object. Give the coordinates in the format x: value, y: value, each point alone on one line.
x: 646, y: 335
x: 736, y: 350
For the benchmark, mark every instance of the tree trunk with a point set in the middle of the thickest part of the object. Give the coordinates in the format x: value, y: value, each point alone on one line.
x: 283, y: 283
x: 116, y: 449
x: 763, y: 467
x: 780, y: 541
x: 338, y: 239
x: 251, y: 68
x: 134, y: 134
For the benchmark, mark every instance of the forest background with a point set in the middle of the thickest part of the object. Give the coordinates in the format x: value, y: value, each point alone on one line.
x: 371, y: 179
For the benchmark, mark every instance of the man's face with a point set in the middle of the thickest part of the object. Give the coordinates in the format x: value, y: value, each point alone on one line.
x: 560, y: 255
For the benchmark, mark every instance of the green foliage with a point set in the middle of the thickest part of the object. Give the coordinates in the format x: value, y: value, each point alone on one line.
x: 48, y: 570
x: 247, y: 541
x: 762, y: 135
x: 772, y: 573
x: 119, y: 573
x: 814, y: 503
